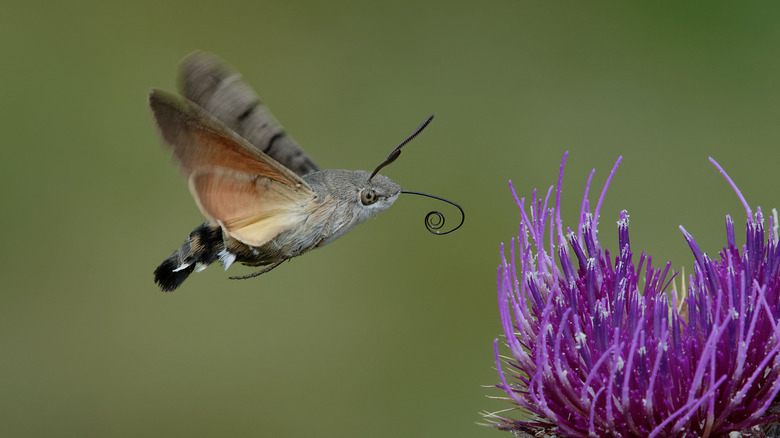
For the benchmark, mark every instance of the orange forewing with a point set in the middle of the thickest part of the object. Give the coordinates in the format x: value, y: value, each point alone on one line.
x: 251, y: 195
x: 199, y: 140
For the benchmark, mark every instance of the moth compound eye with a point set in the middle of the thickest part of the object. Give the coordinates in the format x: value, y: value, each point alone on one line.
x: 368, y: 196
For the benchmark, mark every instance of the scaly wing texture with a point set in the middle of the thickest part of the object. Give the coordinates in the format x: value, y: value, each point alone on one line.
x: 216, y: 87
x: 252, y: 196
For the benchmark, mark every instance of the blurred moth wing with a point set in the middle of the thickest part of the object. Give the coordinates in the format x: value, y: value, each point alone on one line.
x: 249, y: 194
x: 215, y: 86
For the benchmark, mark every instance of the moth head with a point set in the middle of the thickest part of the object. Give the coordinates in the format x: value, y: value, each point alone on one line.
x: 378, y: 192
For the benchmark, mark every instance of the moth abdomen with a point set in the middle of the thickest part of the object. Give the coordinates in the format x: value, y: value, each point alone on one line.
x: 202, y: 247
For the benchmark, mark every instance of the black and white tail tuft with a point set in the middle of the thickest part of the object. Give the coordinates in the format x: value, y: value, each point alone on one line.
x: 200, y: 249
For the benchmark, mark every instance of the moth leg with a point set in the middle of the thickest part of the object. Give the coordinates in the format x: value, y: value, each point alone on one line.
x: 260, y: 272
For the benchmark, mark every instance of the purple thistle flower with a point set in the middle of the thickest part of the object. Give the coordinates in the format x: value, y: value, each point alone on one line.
x: 598, y: 349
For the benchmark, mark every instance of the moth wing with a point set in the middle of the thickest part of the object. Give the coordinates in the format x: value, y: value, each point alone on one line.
x: 251, y: 195
x: 215, y: 86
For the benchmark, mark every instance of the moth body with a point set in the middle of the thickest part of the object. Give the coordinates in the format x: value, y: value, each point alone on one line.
x: 265, y: 199
x: 337, y: 208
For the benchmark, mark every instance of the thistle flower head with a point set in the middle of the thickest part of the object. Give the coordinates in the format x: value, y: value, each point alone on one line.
x: 600, y: 347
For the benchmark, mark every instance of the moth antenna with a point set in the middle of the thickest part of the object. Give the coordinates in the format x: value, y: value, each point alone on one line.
x: 397, y: 151
x: 434, y: 220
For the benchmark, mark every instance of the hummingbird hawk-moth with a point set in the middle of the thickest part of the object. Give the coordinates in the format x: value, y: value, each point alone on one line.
x: 265, y: 199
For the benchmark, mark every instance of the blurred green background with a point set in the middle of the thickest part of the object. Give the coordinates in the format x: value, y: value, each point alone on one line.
x: 387, y: 332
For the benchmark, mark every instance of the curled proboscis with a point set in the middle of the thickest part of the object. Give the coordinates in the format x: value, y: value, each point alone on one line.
x: 434, y: 220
